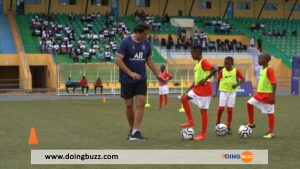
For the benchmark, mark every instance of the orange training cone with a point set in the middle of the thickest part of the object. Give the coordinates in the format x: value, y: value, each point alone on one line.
x: 33, y: 137
x: 104, y: 100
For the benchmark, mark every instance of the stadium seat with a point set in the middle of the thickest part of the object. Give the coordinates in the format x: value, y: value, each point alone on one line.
x: 91, y: 85
x: 118, y: 85
x: 151, y: 85
x: 171, y: 84
x: 62, y: 85
x: 111, y: 85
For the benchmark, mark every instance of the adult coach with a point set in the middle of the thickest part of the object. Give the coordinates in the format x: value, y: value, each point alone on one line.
x: 132, y: 56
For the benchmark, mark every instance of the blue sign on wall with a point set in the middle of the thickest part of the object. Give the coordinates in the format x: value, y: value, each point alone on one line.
x: 295, y: 76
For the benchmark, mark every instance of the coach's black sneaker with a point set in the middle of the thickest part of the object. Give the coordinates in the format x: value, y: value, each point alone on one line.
x: 137, y: 137
x: 228, y: 131
x: 129, y: 134
x: 250, y: 125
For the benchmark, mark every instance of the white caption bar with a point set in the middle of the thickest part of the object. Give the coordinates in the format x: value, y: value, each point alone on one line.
x: 149, y: 156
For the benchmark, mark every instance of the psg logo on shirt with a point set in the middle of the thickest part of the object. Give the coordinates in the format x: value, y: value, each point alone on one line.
x: 143, y: 47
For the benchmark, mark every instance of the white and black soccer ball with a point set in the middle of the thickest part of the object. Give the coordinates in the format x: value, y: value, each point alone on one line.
x: 221, y: 129
x: 245, y: 131
x: 187, y: 133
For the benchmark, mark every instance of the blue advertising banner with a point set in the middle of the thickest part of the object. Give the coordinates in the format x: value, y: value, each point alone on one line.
x: 295, y: 76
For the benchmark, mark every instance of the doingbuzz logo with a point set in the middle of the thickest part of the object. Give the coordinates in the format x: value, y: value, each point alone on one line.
x: 246, y: 156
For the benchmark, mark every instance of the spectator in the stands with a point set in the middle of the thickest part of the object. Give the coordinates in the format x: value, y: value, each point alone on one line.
x: 99, y: 84
x: 86, y: 30
x: 107, y: 56
x: 252, y: 42
x: 89, y: 36
x: 86, y: 56
x: 149, y: 38
x: 95, y: 46
x: 95, y: 37
x: 155, y: 40
x: 283, y: 33
x: 56, y: 49
x: 98, y: 16
x: 74, y: 55
x: 63, y: 48
x: 69, y: 46
x: 82, y: 36
x: 90, y: 26
x: 43, y: 46
x: 78, y: 52
x: 136, y: 13
x: 92, y: 52
x: 114, y: 47
x: 58, y: 36
x: 170, y: 40
x: 84, y: 85
x: 82, y: 46
x: 83, y: 18
x: 71, y: 16
x: 166, y: 18
x: 259, y: 44
x: 294, y: 33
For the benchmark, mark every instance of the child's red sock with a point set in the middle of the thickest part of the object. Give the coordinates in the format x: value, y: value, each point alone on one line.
x: 187, y: 109
x: 166, y: 99
x: 219, y: 114
x: 271, y: 122
x: 204, y: 121
x: 229, y: 116
x: 250, y: 113
x: 160, y: 100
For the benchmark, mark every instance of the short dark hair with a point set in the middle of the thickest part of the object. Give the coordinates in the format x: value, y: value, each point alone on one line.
x: 230, y: 59
x: 197, y: 47
x: 268, y: 56
x: 141, y: 27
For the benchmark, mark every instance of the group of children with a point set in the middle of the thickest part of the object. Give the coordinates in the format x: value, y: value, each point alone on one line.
x: 228, y: 80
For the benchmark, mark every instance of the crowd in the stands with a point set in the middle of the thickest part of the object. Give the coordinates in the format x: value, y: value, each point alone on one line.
x: 201, y: 38
x: 59, y: 38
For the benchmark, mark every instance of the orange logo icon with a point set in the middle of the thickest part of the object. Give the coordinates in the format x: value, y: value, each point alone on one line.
x: 247, y: 157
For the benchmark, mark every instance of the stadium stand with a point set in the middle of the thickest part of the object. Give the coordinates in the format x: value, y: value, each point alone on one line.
x: 279, y: 36
x: 216, y: 25
x: 99, y: 41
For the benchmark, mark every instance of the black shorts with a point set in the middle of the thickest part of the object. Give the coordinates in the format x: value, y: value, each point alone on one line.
x: 132, y: 89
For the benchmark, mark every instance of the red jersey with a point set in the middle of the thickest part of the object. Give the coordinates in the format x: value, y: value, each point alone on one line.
x: 206, y: 89
x: 165, y: 76
x: 266, y: 97
x: 83, y: 82
x: 238, y: 75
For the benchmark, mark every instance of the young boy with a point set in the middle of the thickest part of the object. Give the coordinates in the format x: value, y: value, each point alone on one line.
x: 199, y: 92
x: 264, y: 99
x: 227, y: 84
x: 163, y: 87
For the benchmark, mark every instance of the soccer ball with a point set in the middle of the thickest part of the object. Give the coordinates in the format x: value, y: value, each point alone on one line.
x: 187, y: 133
x: 221, y: 129
x: 244, y: 131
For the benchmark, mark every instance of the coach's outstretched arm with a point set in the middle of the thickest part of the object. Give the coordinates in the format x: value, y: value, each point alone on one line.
x: 153, y: 69
x: 119, y: 62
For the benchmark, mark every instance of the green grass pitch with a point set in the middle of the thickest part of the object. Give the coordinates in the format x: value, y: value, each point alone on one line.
x: 90, y: 124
